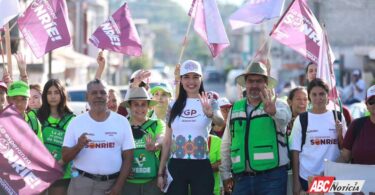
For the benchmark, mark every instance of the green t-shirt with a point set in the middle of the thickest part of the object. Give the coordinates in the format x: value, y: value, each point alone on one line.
x: 214, y: 156
x: 56, y: 137
x: 159, y: 130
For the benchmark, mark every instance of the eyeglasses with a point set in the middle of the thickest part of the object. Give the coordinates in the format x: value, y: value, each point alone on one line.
x: 138, y: 132
x: 371, y: 102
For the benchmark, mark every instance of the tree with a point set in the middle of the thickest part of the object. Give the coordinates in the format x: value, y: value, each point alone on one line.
x: 142, y: 62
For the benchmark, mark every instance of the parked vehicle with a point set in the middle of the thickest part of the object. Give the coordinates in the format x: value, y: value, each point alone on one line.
x: 231, y: 90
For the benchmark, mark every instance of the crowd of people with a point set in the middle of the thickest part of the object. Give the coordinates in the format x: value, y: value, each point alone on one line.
x: 207, y: 144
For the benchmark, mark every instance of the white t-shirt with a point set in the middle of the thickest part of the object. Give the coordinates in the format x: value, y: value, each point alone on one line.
x: 360, y: 96
x: 321, y: 142
x: 190, y: 131
x: 103, y: 154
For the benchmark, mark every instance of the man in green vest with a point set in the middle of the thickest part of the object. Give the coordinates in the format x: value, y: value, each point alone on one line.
x: 254, y: 153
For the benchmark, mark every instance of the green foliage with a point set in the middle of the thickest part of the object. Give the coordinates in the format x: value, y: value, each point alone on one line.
x: 142, y: 62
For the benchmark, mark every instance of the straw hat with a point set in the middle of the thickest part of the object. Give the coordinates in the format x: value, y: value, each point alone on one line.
x: 256, y: 68
x: 138, y: 93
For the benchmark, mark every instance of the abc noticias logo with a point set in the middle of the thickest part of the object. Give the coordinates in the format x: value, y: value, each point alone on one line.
x: 329, y: 184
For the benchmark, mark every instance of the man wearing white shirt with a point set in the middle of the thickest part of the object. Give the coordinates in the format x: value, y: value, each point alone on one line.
x: 100, y: 144
x: 358, y: 88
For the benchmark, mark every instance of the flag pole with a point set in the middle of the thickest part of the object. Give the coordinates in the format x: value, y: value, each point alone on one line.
x: 5, y: 69
x: 282, y: 17
x: 187, y: 32
x: 330, y: 68
x: 8, y: 49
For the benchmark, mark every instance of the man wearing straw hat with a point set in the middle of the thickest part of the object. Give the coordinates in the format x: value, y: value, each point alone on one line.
x: 100, y: 144
x: 254, y: 142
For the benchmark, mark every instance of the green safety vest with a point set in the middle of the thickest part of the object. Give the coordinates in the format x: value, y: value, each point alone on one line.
x: 32, y: 119
x: 54, y: 135
x: 145, y: 163
x: 254, y: 139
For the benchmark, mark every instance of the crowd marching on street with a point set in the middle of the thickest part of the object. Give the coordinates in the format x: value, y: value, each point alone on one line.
x: 179, y: 139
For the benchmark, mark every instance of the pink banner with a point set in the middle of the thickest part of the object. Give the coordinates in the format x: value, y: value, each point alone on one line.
x: 27, y: 167
x: 300, y: 30
x: 43, y: 25
x: 325, y: 67
x: 118, y: 34
x: 209, y: 25
x: 255, y: 12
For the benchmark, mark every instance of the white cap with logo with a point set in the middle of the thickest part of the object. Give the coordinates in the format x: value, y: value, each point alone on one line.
x: 191, y: 66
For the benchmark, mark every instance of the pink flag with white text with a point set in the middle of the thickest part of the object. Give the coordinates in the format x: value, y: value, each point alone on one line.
x: 299, y: 30
x: 325, y: 67
x: 44, y: 26
x: 27, y: 167
x: 209, y: 25
x: 118, y: 34
x: 8, y: 10
x: 255, y: 12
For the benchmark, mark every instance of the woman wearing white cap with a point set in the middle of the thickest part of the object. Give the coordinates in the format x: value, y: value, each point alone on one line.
x: 189, y: 122
x: 358, y: 142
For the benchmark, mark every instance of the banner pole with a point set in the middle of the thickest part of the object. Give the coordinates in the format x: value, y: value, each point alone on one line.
x: 187, y: 32
x: 8, y: 49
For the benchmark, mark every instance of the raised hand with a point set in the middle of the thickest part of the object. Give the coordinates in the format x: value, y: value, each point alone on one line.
x: 141, y: 76
x: 101, y: 62
x: 21, y: 61
x: 269, y: 100
x: 177, y: 72
x: 150, y: 143
x: 206, y: 105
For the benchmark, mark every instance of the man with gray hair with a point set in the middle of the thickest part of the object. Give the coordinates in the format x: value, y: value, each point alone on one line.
x: 100, y: 143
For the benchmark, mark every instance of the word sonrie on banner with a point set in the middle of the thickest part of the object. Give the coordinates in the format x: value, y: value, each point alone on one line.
x: 47, y: 21
x: 16, y: 161
x: 111, y: 30
x: 301, y: 23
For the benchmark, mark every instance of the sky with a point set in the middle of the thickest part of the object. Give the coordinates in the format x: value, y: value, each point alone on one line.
x: 186, y: 3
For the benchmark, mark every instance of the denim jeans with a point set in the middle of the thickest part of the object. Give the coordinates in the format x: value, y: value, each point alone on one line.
x: 273, y: 182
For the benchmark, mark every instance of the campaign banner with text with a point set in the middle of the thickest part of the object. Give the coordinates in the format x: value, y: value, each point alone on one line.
x: 118, y: 34
x: 44, y: 27
x: 27, y: 167
x: 299, y: 30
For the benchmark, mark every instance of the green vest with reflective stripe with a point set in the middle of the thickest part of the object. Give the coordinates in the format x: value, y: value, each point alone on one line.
x: 145, y: 163
x: 254, y: 139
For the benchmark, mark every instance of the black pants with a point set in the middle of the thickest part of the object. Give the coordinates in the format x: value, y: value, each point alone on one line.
x: 196, y: 173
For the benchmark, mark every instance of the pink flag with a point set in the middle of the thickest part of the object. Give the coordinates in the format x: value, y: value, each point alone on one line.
x: 118, y: 34
x: 27, y: 167
x: 299, y: 29
x: 255, y: 12
x: 263, y: 55
x: 43, y: 25
x: 325, y: 67
x: 209, y: 26
x: 9, y: 10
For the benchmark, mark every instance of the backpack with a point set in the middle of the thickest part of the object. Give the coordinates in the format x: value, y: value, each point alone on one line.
x: 303, y: 119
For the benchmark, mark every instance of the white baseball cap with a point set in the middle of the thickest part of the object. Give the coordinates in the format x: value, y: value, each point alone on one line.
x: 191, y: 66
x: 370, y: 92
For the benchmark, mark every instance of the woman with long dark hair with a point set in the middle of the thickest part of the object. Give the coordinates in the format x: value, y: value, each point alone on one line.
x: 55, y: 116
x: 185, y: 141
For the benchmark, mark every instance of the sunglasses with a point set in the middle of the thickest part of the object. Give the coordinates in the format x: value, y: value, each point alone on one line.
x: 371, y: 102
x: 138, y: 132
